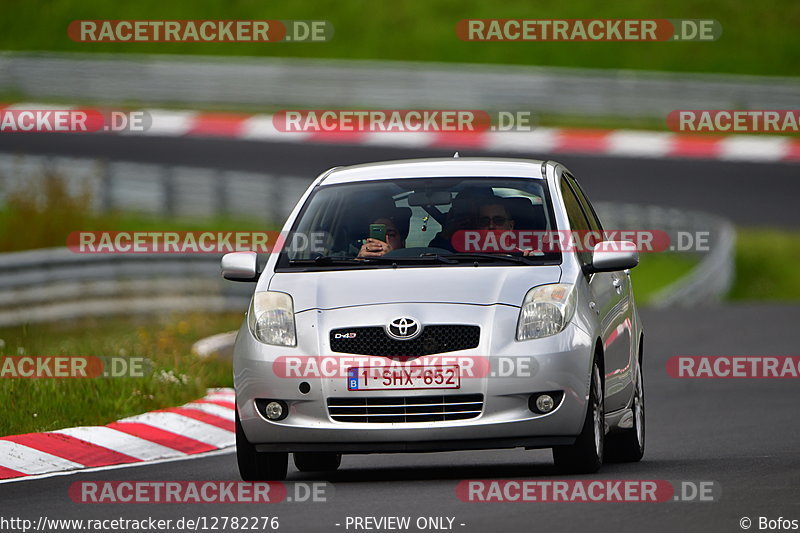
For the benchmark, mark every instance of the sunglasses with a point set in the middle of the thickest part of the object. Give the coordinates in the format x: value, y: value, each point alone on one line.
x: 496, y: 220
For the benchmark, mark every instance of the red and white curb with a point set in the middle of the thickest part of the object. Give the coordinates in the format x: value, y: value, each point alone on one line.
x: 623, y: 143
x: 201, y: 426
x: 628, y: 143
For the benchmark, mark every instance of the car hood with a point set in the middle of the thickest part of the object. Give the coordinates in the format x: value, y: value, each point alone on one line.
x: 481, y: 285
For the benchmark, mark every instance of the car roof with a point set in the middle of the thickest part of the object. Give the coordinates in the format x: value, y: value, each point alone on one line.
x: 437, y: 167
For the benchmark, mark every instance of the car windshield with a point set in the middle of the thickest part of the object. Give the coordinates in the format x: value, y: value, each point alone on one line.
x: 420, y: 221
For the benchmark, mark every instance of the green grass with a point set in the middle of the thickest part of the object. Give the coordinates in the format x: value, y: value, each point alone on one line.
x: 767, y: 266
x: 31, y: 405
x: 44, y: 213
x: 766, y: 262
x: 658, y: 270
x: 38, y: 237
x: 758, y: 37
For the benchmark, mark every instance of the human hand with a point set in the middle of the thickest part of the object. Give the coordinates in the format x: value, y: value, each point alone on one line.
x: 374, y: 248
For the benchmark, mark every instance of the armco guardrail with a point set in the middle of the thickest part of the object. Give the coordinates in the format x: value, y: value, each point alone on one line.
x: 54, y: 284
x: 710, y: 280
x: 160, y: 79
x: 171, y: 191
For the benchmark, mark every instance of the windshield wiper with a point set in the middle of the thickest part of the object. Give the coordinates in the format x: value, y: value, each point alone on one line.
x: 424, y: 258
x: 344, y: 260
x: 326, y: 260
x: 441, y: 258
x: 448, y: 259
x: 488, y: 257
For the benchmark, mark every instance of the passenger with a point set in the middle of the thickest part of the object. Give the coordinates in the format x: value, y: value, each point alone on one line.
x: 494, y: 215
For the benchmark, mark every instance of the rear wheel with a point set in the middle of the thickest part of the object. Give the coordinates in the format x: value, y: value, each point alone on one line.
x: 627, y: 446
x: 255, y: 465
x: 586, y: 455
x: 317, y: 461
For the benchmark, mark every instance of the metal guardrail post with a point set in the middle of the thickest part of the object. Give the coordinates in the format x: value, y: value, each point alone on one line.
x: 221, y: 196
x: 106, y: 192
x: 168, y: 186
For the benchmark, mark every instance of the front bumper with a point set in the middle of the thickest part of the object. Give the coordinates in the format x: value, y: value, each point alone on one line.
x: 560, y: 362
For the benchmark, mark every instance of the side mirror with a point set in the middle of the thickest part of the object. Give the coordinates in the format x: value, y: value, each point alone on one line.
x: 612, y: 256
x: 240, y: 266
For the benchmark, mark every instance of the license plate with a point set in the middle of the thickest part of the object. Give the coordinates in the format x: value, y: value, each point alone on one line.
x: 403, y: 378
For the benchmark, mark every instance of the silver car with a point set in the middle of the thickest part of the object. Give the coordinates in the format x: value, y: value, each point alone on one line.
x: 414, y: 308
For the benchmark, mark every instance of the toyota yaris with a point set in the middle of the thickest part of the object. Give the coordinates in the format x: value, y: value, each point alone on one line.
x: 435, y: 305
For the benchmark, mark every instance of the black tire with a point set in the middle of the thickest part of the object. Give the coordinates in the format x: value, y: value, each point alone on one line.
x: 586, y: 455
x: 627, y: 446
x: 317, y: 461
x: 255, y: 465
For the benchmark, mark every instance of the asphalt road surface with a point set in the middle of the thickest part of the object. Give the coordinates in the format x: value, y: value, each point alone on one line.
x: 743, y: 434
x: 750, y: 194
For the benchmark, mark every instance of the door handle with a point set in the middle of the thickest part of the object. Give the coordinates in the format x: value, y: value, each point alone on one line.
x: 593, y: 305
x: 617, y: 283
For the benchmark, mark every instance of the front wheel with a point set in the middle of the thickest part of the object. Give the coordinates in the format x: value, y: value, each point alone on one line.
x: 255, y: 465
x: 586, y: 455
x: 627, y: 446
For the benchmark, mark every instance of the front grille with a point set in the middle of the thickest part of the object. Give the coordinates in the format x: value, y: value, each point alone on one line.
x: 386, y: 410
x: 433, y: 339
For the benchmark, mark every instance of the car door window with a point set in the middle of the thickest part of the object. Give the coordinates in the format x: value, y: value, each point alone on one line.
x: 591, y: 215
x: 577, y: 220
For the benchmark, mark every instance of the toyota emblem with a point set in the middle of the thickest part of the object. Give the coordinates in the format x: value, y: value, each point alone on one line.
x: 403, y: 329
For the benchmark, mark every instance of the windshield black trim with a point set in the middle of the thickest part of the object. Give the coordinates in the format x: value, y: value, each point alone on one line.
x: 373, y: 266
x: 283, y: 263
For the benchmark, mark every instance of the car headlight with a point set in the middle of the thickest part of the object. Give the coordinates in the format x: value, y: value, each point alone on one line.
x: 271, y: 318
x: 546, y: 310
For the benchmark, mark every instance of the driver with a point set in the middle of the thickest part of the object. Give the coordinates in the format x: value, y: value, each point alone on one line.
x: 397, y: 226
